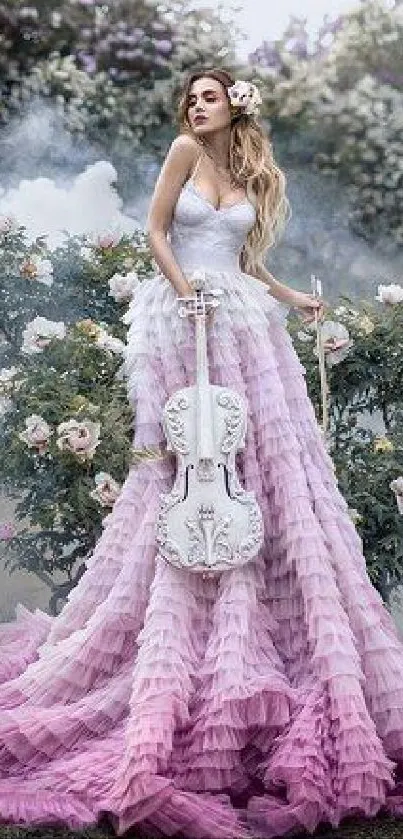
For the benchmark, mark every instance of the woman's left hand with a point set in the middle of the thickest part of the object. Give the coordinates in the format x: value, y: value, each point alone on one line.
x: 309, y: 304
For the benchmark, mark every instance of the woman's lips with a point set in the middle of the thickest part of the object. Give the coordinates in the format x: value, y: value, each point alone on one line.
x: 200, y: 119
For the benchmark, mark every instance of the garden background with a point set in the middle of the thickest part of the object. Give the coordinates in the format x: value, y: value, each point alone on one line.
x: 88, y: 94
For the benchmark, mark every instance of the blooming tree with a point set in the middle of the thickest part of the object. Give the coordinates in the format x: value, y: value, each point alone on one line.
x: 344, y: 95
x: 111, y: 69
x: 114, y: 72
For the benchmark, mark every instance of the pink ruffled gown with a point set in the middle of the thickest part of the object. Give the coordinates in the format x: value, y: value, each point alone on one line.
x: 252, y: 705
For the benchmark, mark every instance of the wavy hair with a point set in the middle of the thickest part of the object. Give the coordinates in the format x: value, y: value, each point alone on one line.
x: 252, y: 166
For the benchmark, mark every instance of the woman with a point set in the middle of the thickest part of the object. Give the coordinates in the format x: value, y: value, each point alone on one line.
x: 253, y: 703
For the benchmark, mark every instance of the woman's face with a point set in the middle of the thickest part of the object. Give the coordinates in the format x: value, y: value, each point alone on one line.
x: 207, y: 98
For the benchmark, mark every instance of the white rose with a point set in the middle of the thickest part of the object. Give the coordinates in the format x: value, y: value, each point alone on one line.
x: 41, y: 270
x: 397, y: 487
x: 37, y: 433
x: 340, y: 311
x: 245, y: 95
x: 128, y: 263
x: 39, y: 332
x: 304, y: 336
x: 336, y: 341
x: 87, y: 253
x: 7, y: 224
x: 366, y: 325
x: 122, y: 286
x: 107, y: 489
x: 55, y: 19
x: 7, y: 375
x: 28, y: 12
x: 63, y: 75
x: 392, y: 293
x: 347, y: 312
x: 5, y: 405
x: 80, y: 437
x: 108, y: 342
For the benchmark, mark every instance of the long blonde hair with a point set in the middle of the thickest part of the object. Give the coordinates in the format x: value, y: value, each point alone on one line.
x: 253, y: 167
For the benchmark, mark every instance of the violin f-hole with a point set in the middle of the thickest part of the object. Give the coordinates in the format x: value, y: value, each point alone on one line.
x: 186, y: 492
x: 226, y: 476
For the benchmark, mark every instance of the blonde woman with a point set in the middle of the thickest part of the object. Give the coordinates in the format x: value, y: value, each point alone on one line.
x: 257, y: 702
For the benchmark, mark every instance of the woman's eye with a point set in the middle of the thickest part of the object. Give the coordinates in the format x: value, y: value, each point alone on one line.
x: 208, y: 99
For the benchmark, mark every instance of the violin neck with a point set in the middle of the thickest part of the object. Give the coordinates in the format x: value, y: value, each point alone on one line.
x: 204, y: 419
x: 202, y: 373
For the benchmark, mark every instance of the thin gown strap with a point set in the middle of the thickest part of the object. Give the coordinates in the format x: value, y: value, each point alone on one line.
x: 192, y: 174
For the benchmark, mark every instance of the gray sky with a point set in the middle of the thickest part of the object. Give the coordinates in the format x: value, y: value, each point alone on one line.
x: 261, y: 19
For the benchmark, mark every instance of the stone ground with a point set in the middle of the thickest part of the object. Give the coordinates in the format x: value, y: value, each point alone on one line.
x: 379, y: 828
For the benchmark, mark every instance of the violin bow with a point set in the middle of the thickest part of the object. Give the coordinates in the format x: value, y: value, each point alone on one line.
x: 316, y: 286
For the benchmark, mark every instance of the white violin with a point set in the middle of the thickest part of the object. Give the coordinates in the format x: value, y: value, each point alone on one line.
x: 208, y: 522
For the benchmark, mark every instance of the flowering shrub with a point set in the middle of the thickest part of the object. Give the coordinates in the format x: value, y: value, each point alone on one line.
x: 364, y: 363
x: 66, y: 424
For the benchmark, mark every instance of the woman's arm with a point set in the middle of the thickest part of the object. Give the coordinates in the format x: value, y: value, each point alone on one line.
x: 290, y: 296
x: 176, y: 167
x: 282, y: 293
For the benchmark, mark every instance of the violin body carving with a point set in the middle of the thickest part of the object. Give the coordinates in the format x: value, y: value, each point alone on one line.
x: 208, y: 522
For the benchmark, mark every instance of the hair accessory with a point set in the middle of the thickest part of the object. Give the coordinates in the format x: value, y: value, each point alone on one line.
x: 245, y: 95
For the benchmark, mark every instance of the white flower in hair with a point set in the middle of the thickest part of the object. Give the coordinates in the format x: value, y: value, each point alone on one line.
x: 246, y: 96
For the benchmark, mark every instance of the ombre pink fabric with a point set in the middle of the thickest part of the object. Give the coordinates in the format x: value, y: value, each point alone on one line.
x: 255, y: 705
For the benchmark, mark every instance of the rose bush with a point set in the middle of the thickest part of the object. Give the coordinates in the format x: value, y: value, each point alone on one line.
x: 66, y: 425
x: 364, y: 379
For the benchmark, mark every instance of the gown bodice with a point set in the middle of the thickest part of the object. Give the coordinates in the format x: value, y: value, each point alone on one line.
x: 202, y: 236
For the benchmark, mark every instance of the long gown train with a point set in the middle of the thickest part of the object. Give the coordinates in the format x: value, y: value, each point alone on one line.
x: 253, y: 705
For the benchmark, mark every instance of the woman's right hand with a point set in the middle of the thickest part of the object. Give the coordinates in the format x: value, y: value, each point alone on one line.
x: 191, y: 295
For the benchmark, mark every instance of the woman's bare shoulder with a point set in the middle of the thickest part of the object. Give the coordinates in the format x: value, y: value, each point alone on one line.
x: 184, y: 142
x: 182, y: 154
x: 176, y: 168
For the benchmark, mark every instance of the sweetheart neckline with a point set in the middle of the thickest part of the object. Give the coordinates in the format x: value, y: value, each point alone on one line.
x: 210, y: 203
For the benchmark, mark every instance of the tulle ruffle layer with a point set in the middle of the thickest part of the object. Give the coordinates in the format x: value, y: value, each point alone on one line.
x: 254, y: 705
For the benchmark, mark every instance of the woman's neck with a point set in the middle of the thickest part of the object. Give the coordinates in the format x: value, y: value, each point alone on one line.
x: 217, y: 148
